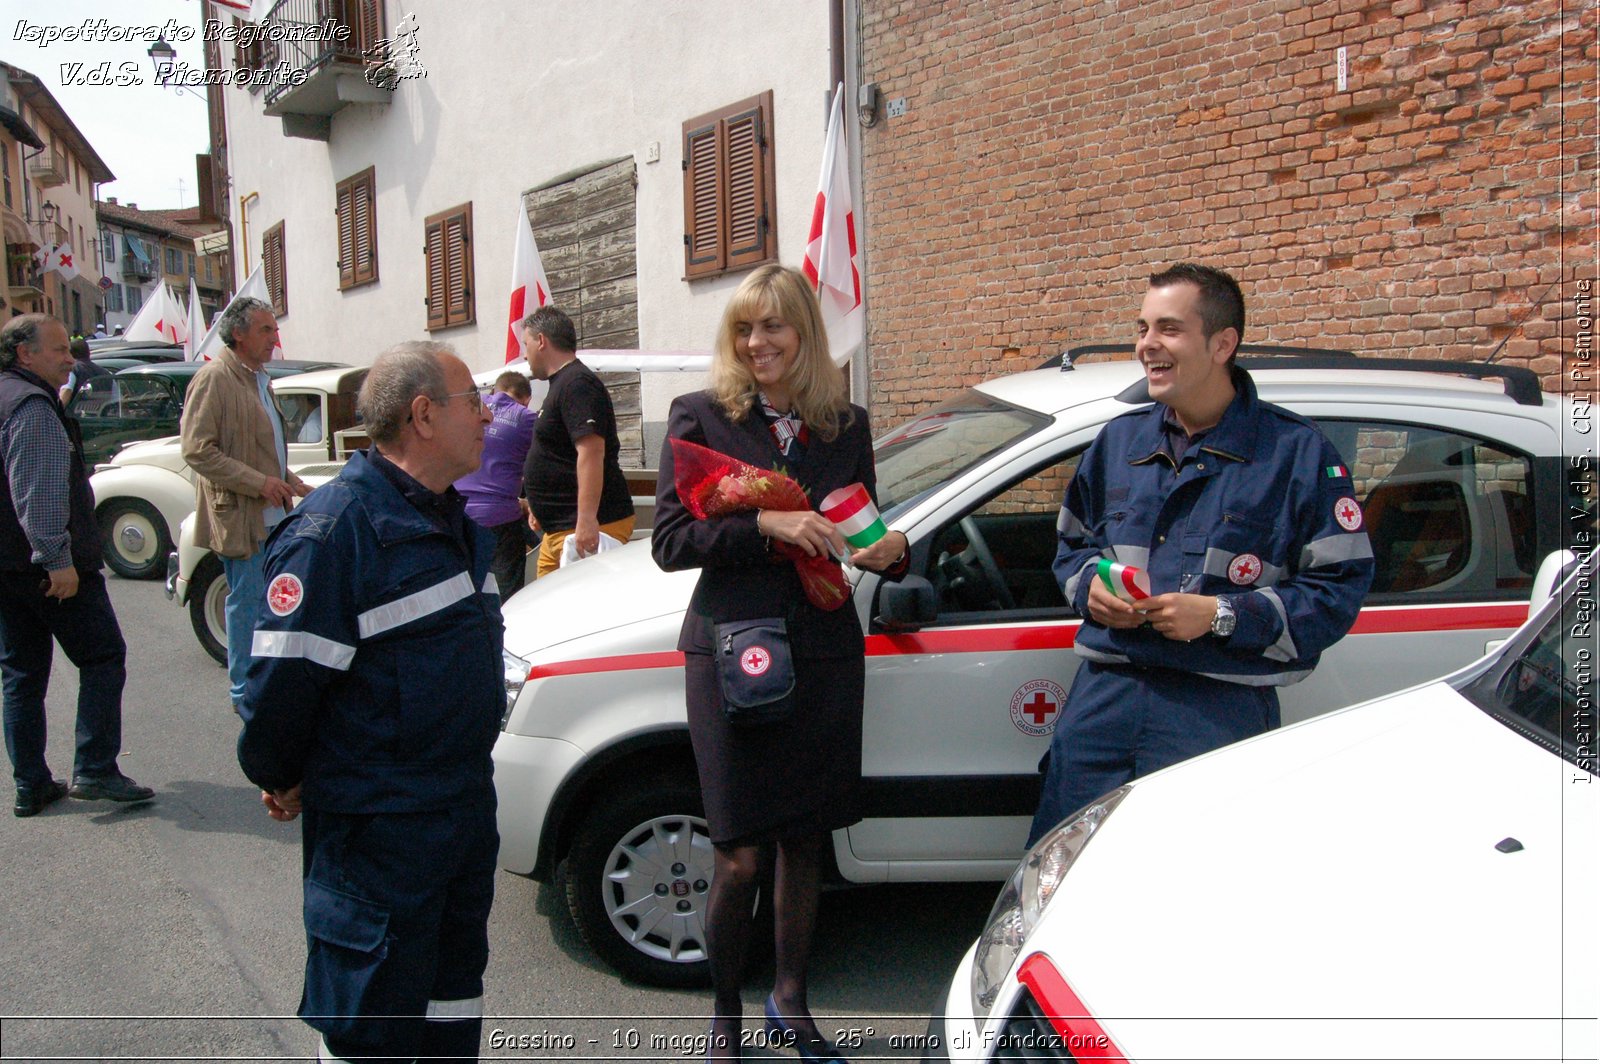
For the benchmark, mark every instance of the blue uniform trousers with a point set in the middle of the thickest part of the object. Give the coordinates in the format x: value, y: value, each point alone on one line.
x: 1121, y: 722
x: 86, y: 627
x: 397, y: 914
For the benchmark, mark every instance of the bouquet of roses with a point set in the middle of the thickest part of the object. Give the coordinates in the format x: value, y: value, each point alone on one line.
x: 712, y: 484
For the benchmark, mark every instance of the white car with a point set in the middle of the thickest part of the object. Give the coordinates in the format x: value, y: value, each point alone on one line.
x: 1413, y: 878
x: 969, y: 658
x: 146, y: 490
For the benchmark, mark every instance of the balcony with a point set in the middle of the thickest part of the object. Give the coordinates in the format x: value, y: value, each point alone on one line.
x: 336, y: 71
x: 140, y: 269
x: 50, y: 169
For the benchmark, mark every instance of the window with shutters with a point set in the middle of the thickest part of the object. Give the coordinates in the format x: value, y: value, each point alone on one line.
x: 729, y: 188
x: 272, y: 266
x: 354, y: 198
x: 448, y: 243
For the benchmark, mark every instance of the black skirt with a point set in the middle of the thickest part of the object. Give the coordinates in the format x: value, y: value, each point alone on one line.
x: 771, y: 781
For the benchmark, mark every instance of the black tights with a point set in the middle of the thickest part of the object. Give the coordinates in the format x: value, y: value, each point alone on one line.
x: 796, y: 886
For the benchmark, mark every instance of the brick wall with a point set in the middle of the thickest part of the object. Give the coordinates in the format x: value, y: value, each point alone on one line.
x: 1053, y: 154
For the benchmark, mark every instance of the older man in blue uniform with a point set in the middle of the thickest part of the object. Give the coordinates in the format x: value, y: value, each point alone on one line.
x: 1245, y: 519
x: 372, y: 702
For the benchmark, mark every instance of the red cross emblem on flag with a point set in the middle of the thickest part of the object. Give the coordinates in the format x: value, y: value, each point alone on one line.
x: 755, y: 661
x: 284, y: 594
x: 1245, y: 569
x: 1347, y: 513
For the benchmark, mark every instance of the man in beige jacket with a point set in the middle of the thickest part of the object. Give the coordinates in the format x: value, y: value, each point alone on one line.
x: 233, y: 440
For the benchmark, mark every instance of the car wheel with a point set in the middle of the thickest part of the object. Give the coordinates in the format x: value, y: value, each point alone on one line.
x: 208, y: 600
x: 136, y: 539
x: 638, y: 879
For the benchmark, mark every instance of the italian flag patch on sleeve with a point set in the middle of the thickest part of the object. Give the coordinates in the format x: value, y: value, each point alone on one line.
x: 1335, y: 472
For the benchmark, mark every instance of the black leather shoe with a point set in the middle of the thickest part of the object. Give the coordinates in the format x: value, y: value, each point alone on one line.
x: 118, y: 788
x: 32, y: 800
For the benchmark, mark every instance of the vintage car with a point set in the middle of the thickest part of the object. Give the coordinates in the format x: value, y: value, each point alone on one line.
x: 143, y: 401
x: 146, y: 490
x: 1460, y: 470
x: 1412, y: 878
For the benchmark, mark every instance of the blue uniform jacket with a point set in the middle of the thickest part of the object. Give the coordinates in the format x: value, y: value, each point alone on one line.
x: 1262, y: 511
x: 376, y: 679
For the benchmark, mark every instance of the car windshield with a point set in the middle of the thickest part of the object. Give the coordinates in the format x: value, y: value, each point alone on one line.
x: 1546, y: 692
x: 939, y: 446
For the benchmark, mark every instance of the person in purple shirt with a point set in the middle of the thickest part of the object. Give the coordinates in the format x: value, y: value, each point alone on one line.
x: 493, y: 491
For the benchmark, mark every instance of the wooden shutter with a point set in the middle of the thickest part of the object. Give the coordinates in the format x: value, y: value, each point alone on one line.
x: 272, y: 265
x: 450, y: 275
x: 347, y: 237
x: 703, y: 201
x: 367, y: 24
x: 357, y: 225
x: 728, y: 189
x: 747, y: 191
x: 363, y: 196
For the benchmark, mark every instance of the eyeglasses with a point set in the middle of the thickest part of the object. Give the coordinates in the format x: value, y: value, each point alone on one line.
x: 453, y: 395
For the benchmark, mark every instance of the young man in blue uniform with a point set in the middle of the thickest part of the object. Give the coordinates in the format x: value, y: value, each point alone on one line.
x: 372, y: 703
x: 1245, y: 519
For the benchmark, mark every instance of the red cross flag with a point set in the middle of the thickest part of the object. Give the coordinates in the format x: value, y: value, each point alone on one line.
x: 830, y: 259
x: 529, y: 288
x: 161, y: 319
x: 60, y: 260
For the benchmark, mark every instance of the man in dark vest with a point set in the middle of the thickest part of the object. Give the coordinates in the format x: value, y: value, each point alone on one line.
x: 50, y: 582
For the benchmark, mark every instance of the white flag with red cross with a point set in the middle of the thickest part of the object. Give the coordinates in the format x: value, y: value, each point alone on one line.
x: 162, y: 319
x: 530, y: 290
x: 830, y: 259
x: 60, y: 260
x: 197, y: 325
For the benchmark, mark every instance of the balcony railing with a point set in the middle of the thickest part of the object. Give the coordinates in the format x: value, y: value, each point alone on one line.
x: 362, y: 18
x: 134, y: 266
x: 50, y: 169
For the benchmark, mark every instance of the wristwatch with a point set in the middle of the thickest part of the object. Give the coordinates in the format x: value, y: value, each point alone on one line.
x: 1224, y: 620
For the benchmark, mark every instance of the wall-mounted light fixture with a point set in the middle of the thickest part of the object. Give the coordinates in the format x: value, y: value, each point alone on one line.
x: 867, y: 103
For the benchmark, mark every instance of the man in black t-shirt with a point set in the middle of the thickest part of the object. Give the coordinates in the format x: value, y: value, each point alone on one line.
x: 572, y: 479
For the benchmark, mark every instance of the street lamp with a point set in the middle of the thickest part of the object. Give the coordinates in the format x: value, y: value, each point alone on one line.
x: 163, y: 56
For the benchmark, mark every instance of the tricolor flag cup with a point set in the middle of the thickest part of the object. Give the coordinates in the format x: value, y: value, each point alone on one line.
x: 852, y: 512
x: 1128, y: 583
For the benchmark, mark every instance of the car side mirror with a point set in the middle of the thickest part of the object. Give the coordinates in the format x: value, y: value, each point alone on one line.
x: 907, y: 605
x: 1555, y: 566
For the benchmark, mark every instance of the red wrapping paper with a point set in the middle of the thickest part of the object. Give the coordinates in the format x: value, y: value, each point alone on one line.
x: 712, y: 484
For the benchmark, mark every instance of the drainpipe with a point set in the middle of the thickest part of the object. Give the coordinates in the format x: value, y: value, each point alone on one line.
x: 244, y: 230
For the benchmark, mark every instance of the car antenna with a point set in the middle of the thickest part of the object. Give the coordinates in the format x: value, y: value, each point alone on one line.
x: 1520, y: 321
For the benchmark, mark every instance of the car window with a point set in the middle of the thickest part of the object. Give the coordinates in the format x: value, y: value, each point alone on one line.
x: 1539, y: 691
x: 302, y: 416
x: 934, y: 449
x: 1450, y: 516
x: 995, y: 560
x: 130, y: 398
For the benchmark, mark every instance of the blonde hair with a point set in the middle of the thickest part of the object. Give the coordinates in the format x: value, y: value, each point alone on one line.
x: 816, y: 386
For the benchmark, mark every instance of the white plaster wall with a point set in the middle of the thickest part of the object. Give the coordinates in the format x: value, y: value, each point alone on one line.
x: 517, y: 95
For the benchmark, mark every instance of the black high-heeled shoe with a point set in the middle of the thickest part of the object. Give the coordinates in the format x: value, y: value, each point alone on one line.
x: 777, y: 1025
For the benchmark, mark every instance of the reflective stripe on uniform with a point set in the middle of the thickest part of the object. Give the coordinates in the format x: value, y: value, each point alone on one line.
x: 1266, y: 679
x: 1330, y: 550
x: 1070, y: 588
x: 325, y: 652
x: 1218, y: 562
x: 418, y: 604
x: 1284, y: 649
x: 491, y: 586
x: 460, y: 1009
x: 1128, y: 554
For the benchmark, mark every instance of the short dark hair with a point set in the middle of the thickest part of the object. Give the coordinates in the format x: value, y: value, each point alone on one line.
x: 555, y: 325
x: 80, y: 349
x: 22, y: 329
x: 1221, y: 300
x: 514, y: 384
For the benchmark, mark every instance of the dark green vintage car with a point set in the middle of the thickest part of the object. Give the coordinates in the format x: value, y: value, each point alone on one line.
x: 144, y: 403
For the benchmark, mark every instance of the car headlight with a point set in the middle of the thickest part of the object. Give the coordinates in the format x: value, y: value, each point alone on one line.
x: 516, y: 674
x: 1029, y: 890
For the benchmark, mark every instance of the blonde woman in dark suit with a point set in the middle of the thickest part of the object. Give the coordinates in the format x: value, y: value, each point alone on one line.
x: 776, y: 401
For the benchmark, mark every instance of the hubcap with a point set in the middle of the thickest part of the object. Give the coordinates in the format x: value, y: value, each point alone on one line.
x: 132, y: 539
x: 657, y: 880
x: 135, y: 538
